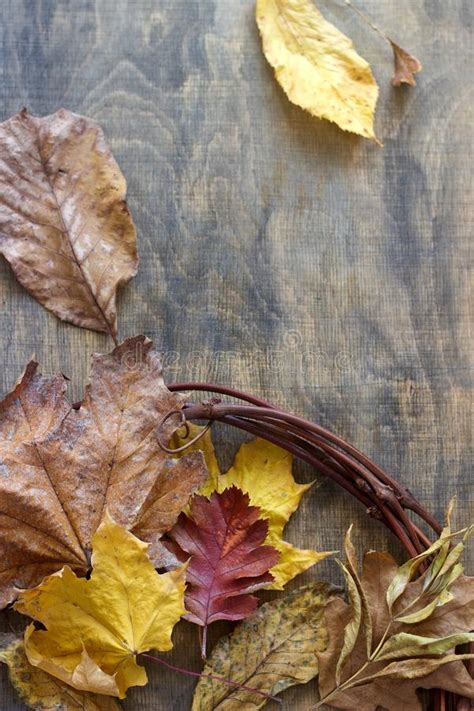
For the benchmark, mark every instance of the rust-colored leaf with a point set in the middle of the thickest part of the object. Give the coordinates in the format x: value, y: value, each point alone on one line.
x: 405, y: 66
x: 61, y: 467
x: 224, y: 537
x: 65, y: 227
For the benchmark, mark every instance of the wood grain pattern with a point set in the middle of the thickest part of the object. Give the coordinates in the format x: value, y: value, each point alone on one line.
x: 277, y: 253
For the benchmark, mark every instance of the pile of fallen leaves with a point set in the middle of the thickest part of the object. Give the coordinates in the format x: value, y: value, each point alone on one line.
x: 107, y: 541
x: 108, y: 538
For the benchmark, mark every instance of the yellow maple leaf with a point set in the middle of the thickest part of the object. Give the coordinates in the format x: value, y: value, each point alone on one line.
x: 95, y: 628
x: 317, y: 65
x: 264, y: 472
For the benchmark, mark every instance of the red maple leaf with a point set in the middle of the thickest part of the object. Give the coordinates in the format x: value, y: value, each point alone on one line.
x: 224, y: 537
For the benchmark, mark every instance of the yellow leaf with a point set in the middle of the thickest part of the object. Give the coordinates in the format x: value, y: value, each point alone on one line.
x: 317, y: 65
x: 292, y: 561
x: 205, y: 446
x: 95, y: 628
x: 43, y: 692
x: 264, y: 472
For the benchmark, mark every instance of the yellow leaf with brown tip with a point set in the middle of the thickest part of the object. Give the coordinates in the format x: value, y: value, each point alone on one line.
x: 317, y: 65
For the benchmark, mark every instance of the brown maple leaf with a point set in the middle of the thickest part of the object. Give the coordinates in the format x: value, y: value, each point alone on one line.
x: 65, y: 227
x: 405, y: 66
x: 62, y: 468
x: 224, y: 536
x: 394, y: 690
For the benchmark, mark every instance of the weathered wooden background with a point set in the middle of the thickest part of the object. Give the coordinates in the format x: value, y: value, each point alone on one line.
x: 277, y: 253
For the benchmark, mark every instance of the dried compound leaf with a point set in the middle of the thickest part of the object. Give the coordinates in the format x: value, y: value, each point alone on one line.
x: 96, y: 627
x: 63, y: 467
x: 418, y: 646
x: 272, y: 650
x: 317, y: 65
x: 65, y: 227
x: 41, y: 691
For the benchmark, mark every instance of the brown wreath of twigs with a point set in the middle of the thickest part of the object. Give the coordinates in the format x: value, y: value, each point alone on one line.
x: 383, y: 497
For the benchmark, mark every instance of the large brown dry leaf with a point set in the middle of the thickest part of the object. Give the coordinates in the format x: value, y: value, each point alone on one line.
x: 64, y: 224
x: 61, y: 468
x: 396, y: 691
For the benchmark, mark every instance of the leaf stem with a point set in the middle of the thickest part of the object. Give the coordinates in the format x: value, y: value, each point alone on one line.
x: 199, y: 675
x: 367, y: 19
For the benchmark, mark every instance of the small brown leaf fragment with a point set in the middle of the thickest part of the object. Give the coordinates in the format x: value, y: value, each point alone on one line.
x: 61, y: 468
x: 43, y: 692
x: 405, y: 66
x: 65, y: 227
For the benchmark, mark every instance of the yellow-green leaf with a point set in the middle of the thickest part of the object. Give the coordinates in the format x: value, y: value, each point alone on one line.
x: 406, y: 571
x: 270, y: 651
x: 351, y: 630
x: 96, y: 627
x: 352, y: 568
x: 418, y: 668
x: 317, y: 65
x: 412, y: 645
x: 43, y: 692
x: 442, y: 599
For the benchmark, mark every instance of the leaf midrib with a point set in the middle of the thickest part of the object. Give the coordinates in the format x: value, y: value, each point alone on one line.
x: 66, y: 231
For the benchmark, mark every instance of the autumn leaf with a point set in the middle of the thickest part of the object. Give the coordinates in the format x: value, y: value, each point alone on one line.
x: 317, y: 66
x: 270, y: 651
x: 96, y: 627
x: 224, y: 537
x: 263, y: 471
x: 407, y: 651
x: 406, y: 65
x: 204, y: 445
x: 41, y: 691
x: 63, y: 467
x: 65, y: 227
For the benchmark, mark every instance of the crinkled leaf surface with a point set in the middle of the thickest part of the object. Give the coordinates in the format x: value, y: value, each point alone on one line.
x: 62, y: 467
x: 224, y: 537
x: 43, y: 692
x: 317, y: 65
x: 96, y: 627
x: 272, y: 650
x: 264, y: 472
x: 64, y: 224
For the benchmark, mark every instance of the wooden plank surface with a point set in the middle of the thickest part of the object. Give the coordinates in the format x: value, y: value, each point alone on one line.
x: 277, y: 253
